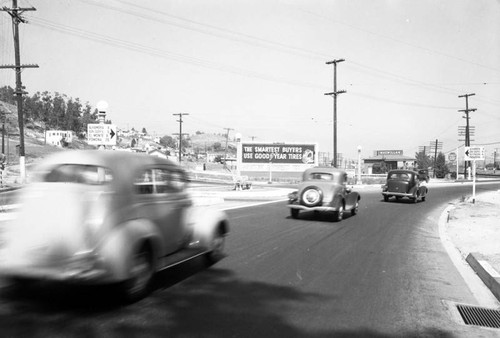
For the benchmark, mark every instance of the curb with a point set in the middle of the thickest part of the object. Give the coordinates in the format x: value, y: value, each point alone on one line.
x: 489, y: 276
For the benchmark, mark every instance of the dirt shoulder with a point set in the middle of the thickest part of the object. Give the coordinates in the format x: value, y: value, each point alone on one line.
x: 475, y: 227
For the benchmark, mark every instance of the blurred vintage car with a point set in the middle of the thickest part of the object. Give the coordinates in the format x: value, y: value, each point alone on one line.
x: 405, y: 183
x: 324, y: 189
x: 99, y: 217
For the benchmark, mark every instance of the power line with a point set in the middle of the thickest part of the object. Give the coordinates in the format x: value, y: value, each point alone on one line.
x: 254, y: 40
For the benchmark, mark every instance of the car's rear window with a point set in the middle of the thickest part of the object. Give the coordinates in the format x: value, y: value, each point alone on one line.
x: 399, y: 176
x: 321, y: 176
x: 79, y: 173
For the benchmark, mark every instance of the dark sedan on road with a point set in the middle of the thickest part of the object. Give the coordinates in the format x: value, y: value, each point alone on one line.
x: 405, y: 184
x: 324, y: 189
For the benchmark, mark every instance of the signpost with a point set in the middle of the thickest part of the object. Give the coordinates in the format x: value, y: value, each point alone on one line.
x: 101, y: 134
x: 473, y: 154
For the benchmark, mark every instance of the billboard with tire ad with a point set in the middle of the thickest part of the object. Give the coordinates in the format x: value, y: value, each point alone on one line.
x: 279, y: 153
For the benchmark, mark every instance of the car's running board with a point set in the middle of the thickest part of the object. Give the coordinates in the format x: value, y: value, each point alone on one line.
x: 179, y: 257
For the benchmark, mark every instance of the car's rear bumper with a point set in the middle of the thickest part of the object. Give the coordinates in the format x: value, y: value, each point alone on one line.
x: 315, y: 208
x: 397, y: 194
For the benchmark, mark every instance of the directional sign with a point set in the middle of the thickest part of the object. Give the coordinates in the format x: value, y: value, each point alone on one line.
x: 474, y: 153
x: 101, y: 134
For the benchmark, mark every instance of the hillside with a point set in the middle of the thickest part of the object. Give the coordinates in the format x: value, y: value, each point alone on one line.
x: 35, y: 146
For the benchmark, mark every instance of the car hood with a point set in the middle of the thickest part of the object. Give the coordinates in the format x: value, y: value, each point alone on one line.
x: 55, y: 221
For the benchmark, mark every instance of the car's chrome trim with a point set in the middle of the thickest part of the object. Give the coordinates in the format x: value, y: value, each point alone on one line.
x: 316, y: 208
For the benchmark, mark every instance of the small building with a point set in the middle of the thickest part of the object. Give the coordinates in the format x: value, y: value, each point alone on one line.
x: 385, y: 160
x: 58, y: 137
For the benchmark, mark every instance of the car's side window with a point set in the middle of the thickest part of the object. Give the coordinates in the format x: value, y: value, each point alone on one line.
x: 177, y: 180
x: 159, y: 181
x: 144, y: 182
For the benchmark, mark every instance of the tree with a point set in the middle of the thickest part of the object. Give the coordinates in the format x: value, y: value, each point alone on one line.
x: 87, y: 117
x: 423, y: 160
x: 144, y: 131
x: 168, y: 141
x: 217, y: 146
x: 441, y: 168
x: 7, y: 95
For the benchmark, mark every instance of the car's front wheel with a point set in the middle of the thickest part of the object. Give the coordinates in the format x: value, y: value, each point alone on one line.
x: 140, y: 275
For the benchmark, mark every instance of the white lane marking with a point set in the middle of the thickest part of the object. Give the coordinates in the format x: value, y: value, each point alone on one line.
x: 481, y: 292
x: 254, y: 204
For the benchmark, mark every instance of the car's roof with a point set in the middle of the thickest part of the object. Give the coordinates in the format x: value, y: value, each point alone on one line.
x: 403, y: 171
x: 324, y: 170
x: 122, y: 163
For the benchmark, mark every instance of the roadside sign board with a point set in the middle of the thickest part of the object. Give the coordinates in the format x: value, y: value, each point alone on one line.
x: 101, y: 134
x: 452, y: 157
x: 474, y: 153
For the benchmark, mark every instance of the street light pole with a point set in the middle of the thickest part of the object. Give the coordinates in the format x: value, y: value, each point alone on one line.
x: 359, y: 165
x: 334, y: 94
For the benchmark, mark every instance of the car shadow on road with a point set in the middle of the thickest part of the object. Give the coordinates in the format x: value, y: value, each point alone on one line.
x: 320, y: 216
x: 189, y: 300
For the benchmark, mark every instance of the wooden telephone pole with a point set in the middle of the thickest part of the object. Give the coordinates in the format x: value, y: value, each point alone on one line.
x: 15, y: 12
x: 180, y: 134
x: 334, y: 94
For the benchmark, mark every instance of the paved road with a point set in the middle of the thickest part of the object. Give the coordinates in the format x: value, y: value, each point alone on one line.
x: 380, y: 273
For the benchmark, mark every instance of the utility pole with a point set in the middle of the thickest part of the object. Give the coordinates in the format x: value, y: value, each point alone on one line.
x: 437, y: 146
x: 227, y: 140
x: 15, y: 12
x: 180, y: 134
x: 467, y: 127
x: 334, y: 94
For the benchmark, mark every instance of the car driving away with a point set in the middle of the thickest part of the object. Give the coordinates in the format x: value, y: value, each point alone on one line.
x: 324, y: 189
x: 108, y: 217
x: 405, y: 184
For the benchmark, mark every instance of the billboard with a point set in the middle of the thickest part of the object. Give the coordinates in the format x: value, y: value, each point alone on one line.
x: 278, y: 153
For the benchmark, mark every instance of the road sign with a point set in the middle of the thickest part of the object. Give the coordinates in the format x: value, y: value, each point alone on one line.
x: 474, y: 153
x: 101, y: 134
x: 452, y: 157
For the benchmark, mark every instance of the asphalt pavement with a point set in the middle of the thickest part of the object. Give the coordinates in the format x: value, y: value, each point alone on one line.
x: 471, y: 225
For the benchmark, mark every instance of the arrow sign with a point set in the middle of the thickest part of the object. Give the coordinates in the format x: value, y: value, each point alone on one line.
x: 101, y: 134
x: 473, y: 153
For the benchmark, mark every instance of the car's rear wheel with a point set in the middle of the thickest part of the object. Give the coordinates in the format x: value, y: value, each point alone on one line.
x: 355, y: 210
x: 141, y: 274
x: 386, y: 198
x: 217, y: 248
x: 339, y: 214
x: 294, y: 213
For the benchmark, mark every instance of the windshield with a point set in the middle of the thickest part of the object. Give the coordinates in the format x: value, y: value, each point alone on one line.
x: 79, y: 173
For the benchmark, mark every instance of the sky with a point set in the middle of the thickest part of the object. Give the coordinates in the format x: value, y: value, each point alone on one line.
x: 258, y: 67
